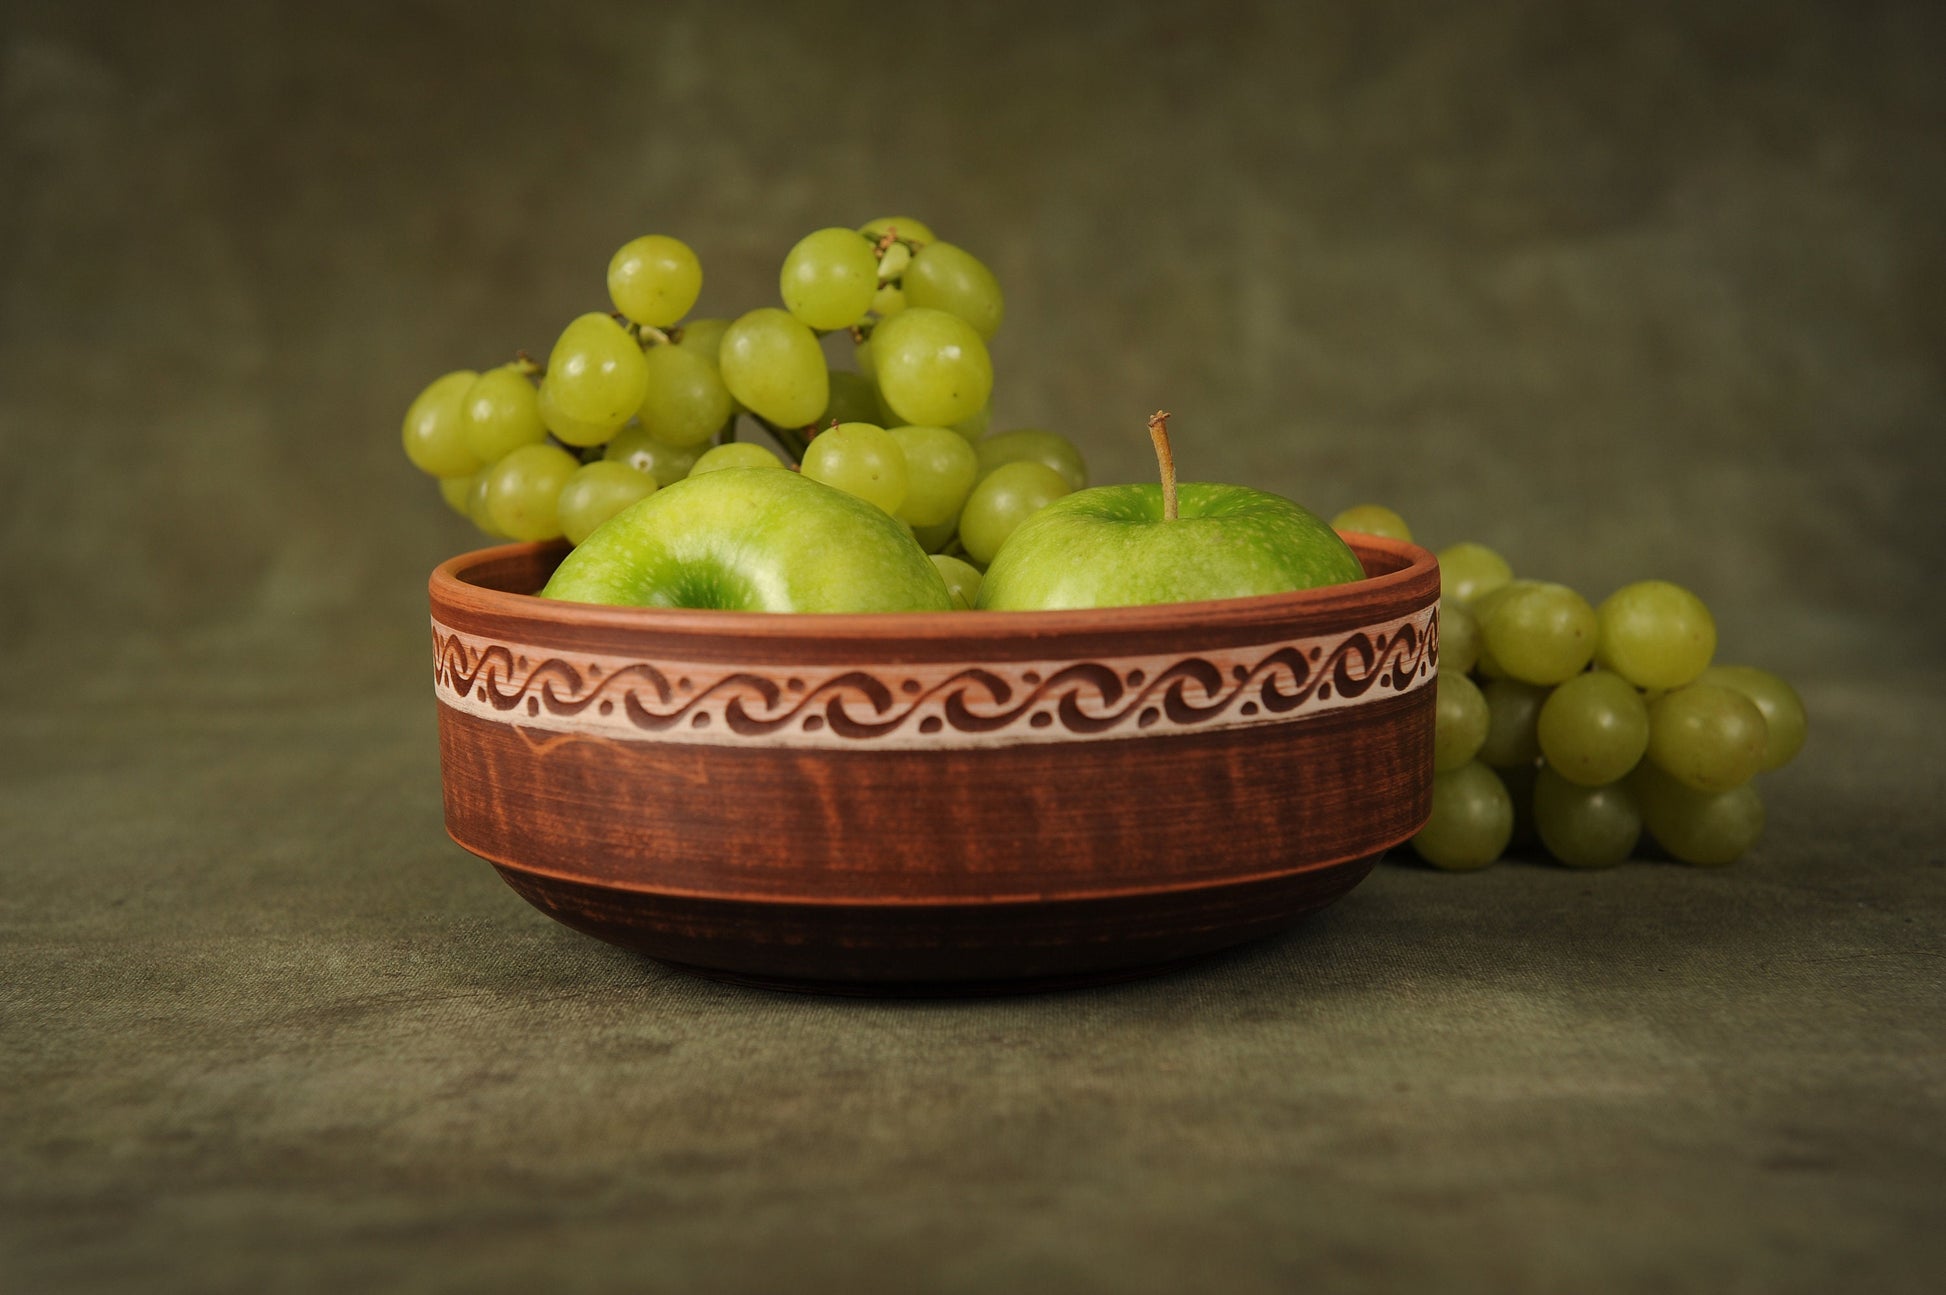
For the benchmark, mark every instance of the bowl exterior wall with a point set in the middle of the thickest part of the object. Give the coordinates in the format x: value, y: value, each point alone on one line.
x: 1019, y: 823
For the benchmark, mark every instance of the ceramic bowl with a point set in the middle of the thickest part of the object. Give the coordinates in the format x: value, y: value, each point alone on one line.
x: 937, y: 802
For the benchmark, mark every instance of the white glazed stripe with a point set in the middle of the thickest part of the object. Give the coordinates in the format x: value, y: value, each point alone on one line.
x: 932, y: 706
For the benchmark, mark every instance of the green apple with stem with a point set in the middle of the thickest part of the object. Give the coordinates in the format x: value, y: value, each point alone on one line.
x: 1130, y: 545
x: 752, y: 539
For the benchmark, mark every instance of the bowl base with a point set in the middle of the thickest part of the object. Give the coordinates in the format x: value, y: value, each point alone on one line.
x: 943, y: 949
x: 954, y: 988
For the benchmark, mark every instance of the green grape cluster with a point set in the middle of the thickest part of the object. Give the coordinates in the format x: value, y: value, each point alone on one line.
x: 960, y: 496
x: 632, y: 400
x: 1584, y: 727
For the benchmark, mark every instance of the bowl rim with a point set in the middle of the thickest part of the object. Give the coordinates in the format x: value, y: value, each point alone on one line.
x: 453, y: 588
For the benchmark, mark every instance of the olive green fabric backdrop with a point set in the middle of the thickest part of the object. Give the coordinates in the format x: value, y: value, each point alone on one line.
x: 1622, y: 290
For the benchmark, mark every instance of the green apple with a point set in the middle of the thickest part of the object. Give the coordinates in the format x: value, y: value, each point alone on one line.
x: 1125, y: 546
x: 752, y: 539
x: 1110, y: 546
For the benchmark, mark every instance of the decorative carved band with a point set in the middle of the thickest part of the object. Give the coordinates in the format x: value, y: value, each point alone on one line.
x: 931, y: 706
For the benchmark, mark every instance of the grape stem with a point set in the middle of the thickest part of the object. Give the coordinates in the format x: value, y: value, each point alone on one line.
x: 1165, y: 461
x: 645, y: 335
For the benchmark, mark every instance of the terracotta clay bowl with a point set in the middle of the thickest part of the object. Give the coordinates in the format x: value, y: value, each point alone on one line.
x: 940, y: 802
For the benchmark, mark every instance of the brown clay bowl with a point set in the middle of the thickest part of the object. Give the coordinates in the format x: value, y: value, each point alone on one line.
x: 950, y: 802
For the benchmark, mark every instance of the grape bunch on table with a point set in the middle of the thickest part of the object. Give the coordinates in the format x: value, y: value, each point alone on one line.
x: 1589, y: 725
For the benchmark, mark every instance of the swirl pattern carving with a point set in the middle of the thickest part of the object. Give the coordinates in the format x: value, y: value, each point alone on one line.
x: 932, y: 705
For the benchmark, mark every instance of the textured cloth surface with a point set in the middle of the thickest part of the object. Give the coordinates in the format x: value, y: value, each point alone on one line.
x: 1623, y: 291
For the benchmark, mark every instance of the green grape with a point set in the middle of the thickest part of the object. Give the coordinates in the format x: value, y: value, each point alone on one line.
x: 888, y: 300
x: 667, y: 463
x: 1468, y: 570
x: 1544, y: 633
x: 434, y: 434
x: 829, y: 279
x: 524, y: 488
x: 654, y: 280
x: 1655, y: 634
x: 1706, y: 736
x: 703, y: 336
x: 935, y: 538
x: 949, y: 278
x: 1032, y: 445
x: 687, y: 403
x: 596, y: 379
x: 1513, y: 712
x: 772, y: 363
x: 1703, y: 828
x: 1594, y: 728
x: 1001, y: 501
x: 596, y: 492
x: 1783, y: 710
x: 932, y: 367
x: 736, y: 454
x: 867, y: 361
x: 478, y: 508
x: 1482, y: 605
x: 1460, y: 722
x: 975, y: 427
x: 940, y: 470
x: 1373, y: 519
x: 1459, y: 638
x: 570, y: 431
x: 853, y: 399
x: 1472, y: 820
x: 1484, y: 665
x: 457, y: 491
x: 861, y: 460
x: 1582, y: 826
x: 500, y: 413
x: 912, y: 231
x: 962, y: 580
x: 886, y: 417
x: 1482, y: 608
x: 1519, y: 781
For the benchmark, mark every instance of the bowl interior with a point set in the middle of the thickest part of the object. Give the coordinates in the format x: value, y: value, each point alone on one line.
x: 498, y: 585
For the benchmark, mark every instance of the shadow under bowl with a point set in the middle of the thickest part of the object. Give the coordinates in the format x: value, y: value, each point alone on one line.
x: 934, y: 803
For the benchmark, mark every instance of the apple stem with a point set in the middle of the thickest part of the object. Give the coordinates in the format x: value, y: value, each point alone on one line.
x: 1165, y: 461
